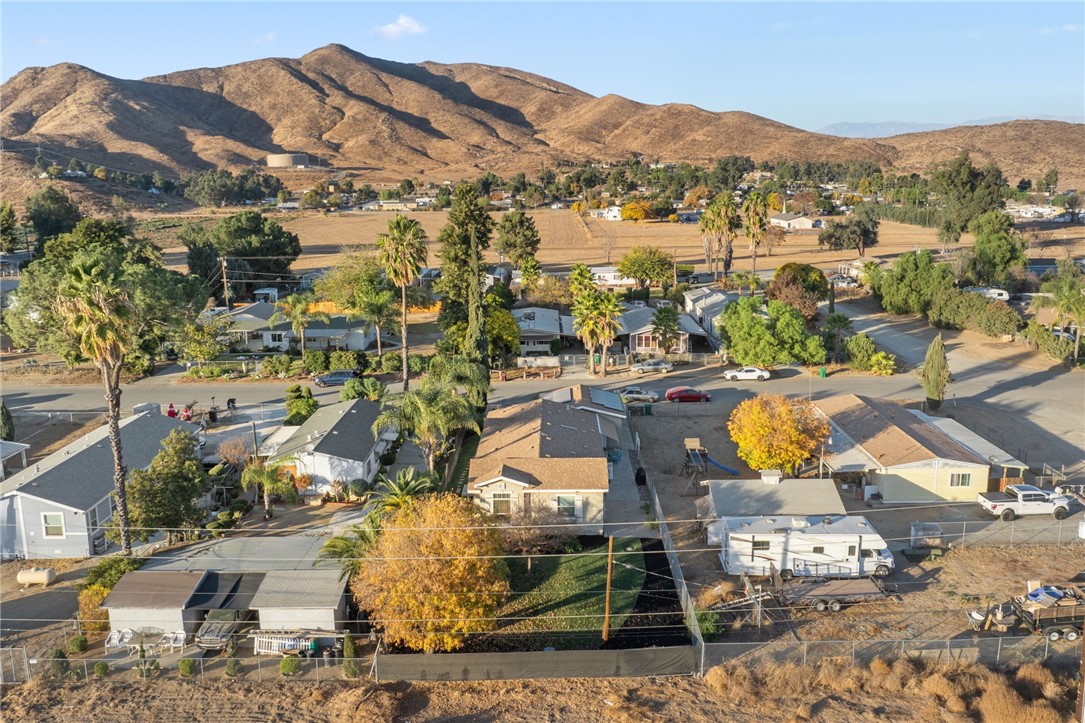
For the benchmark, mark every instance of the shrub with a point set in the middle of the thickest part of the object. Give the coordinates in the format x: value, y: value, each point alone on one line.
x: 1042, y: 338
x: 315, y: 361
x: 879, y: 667
x: 91, y: 616
x: 883, y: 364
x: 233, y: 667
x: 955, y: 309
x: 860, y: 349
x: 101, y: 669
x: 353, y: 389
x: 298, y: 410
x: 708, y: 622
x: 78, y: 644
x: 343, y: 359
x: 107, y: 572
x: 276, y: 366
x: 187, y: 667
x: 364, y: 362
x: 59, y: 664
x: 1032, y: 678
x: 351, y: 668
x: 373, y: 390
x: 226, y: 516
x: 289, y: 666
x: 416, y: 363
x: 391, y: 364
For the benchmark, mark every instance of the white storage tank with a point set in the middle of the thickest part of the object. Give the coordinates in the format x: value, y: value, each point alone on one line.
x: 36, y: 576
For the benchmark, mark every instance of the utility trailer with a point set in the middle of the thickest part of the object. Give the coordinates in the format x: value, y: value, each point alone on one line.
x: 831, y: 595
x: 1054, y: 611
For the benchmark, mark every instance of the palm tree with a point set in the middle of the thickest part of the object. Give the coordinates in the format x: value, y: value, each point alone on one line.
x: 429, y: 415
x: 1067, y: 297
x: 596, y: 314
x: 718, y: 226
x: 665, y: 328
x: 581, y: 280
x: 402, y: 254
x: 273, y: 479
x: 377, y: 311
x: 584, y: 313
x: 349, y: 549
x: 391, y: 495
x: 837, y: 324
x: 373, y: 390
x: 99, y: 313
x: 744, y: 279
x: 754, y: 220
x: 295, y: 309
x: 461, y: 373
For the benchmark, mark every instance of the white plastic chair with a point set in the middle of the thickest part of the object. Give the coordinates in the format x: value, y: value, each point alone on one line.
x: 179, y: 639
x: 113, y: 640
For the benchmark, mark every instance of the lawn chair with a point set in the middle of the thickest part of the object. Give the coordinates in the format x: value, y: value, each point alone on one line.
x: 113, y: 640
x: 179, y: 639
x: 166, y: 641
x: 126, y: 640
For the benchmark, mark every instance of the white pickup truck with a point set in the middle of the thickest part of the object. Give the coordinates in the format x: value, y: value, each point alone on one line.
x: 1020, y: 500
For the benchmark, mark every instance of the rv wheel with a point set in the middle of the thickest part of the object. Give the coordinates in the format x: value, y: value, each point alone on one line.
x: 786, y: 575
x: 1071, y: 634
x: 881, y: 571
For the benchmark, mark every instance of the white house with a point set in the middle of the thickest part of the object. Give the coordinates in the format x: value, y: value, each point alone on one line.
x: 155, y: 599
x: 609, y: 277
x: 637, y: 334
x: 705, y: 305
x: 540, y: 327
x: 295, y: 600
x: 794, y: 221
x: 252, y: 328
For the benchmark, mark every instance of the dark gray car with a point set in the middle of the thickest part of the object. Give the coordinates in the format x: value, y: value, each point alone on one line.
x: 334, y: 379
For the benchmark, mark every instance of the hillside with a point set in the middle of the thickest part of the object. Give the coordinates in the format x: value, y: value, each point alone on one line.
x: 428, y: 119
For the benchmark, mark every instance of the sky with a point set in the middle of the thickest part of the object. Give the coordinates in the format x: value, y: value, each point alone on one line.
x: 806, y: 64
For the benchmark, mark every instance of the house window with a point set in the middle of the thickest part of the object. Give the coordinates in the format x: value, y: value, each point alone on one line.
x: 53, y: 524
x: 819, y: 550
x: 92, y: 520
x: 502, y: 504
x: 567, y: 506
x: 760, y: 544
x: 277, y: 337
x: 960, y: 479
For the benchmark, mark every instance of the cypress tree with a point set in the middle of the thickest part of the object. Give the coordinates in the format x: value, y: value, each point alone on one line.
x: 7, y: 424
x: 935, y: 373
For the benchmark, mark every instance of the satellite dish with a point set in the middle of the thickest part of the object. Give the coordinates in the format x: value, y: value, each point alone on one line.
x: 309, y: 447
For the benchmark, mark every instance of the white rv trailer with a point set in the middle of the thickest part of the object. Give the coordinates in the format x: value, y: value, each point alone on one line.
x: 818, y: 546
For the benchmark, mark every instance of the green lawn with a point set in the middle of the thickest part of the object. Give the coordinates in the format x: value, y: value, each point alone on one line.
x: 573, y: 585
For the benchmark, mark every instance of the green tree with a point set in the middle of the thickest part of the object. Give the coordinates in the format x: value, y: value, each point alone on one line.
x: 164, y: 496
x: 429, y: 415
x: 9, y: 227
x: 997, y: 250
x: 596, y: 316
x: 581, y: 280
x: 935, y: 374
x: 461, y: 374
x: 267, y: 249
x: 646, y: 264
x: 295, y: 309
x: 779, y: 337
x: 911, y: 283
x: 402, y: 253
x: 51, y: 212
x: 746, y: 280
x: 719, y: 224
x: 517, y: 237
x: 463, y: 239
x: 98, y: 313
x: 204, y: 338
x: 665, y: 327
x: 1066, y: 295
x: 350, y: 549
x: 530, y: 273
x: 389, y: 495
x: 965, y: 192
x: 7, y: 423
x: 859, y: 232
x: 1050, y: 181
x: 272, y: 479
x: 754, y: 224
x: 836, y: 325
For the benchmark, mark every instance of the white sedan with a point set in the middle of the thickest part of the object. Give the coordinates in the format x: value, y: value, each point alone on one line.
x: 652, y: 365
x: 747, y: 374
x: 637, y: 394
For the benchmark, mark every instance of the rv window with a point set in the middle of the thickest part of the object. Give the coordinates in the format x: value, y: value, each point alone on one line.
x: 761, y: 544
x: 819, y: 550
x: 851, y: 550
x: 867, y: 553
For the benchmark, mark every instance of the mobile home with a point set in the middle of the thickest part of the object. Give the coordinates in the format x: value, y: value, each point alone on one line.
x: 829, y: 546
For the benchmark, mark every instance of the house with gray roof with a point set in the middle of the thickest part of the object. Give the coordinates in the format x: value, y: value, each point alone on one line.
x: 335, y: 446
x: 540, y: 327
x: 293, y: 600
x: 635, y: 331
x: 59, y: 507
x: 252, y: 328
x: 705, y: 305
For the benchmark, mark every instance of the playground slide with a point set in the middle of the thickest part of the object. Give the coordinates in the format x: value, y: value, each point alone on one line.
x: 725, y: 469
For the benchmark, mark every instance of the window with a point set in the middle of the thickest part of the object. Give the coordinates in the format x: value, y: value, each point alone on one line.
x: 960, y: 479
x: 760, y: 544
x: 277, y: 337
x: 867, y: 553
x: 851, y: 550
x: 502, y: 504
x: 53, y: 523
x: 819, y: 550
x: 567, y: 506
x: 92, y: 520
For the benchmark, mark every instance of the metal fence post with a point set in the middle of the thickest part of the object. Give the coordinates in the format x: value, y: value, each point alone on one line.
x: 86, y: 673
x: 1059, y: 543
x: 902, y: 649
x: 964, y: 532
x: 804, y: 653
x: 853, y: 653
x: 998, y: 651
x: 1013, y: 527
x: 1047, y: 647
x: 202, y: 676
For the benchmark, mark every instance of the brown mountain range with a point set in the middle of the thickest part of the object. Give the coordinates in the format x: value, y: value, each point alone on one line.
x: 447, y: 121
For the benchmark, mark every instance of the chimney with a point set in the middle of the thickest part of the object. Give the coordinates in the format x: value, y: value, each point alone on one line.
x: 771, y: 476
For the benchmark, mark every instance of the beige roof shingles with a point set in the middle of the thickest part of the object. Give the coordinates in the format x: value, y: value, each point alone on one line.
x: 889, y: 433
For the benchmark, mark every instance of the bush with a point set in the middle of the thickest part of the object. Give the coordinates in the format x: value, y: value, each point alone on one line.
x: 226, y: 516
x: 391, y: 364
x: 364, y: 362
x: 955, y: 309
x: 351, y: 669
x: 388, y: 458
x: 276, y: 366
x: 417, y: 363
x: 1039, y: 337
x: 91, y: 616
x: 860, y: 349
x: 187, y: 667
x: 59, y: 664
x: 883, y: 364
x: 101, y: 669
x: 78, y: 644
x: 298, y: 410
x: 709, y: 623
x: 315, y: 361
x: 290, y: 665
x: 107, y: 572
x: 344, y: 360
x: 353, y: 389
x: 233, y: 667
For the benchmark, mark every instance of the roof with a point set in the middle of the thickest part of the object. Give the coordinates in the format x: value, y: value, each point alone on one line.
x: 10, y: 449
x: 889, y: 434
x: 807, y: 525
x: 80, y: 475
x: 226, y: 591
x: 300, y: 589
x: 153, y: 589
x: 971, y: 441
x: 785, y: 216
x: 343, y: 430
x: 254, y: 317
x: 248, y: 554
x: 639, y: 321
x: 592, y: 399
x: 541, y: 444
x: 538, y: 320
x: 751, y: 497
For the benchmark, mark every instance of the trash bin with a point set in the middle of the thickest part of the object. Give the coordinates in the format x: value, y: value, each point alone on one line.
x: 213, y: 414
x: 822, y: 373
x: 597, y: 359
x: 647, y: 410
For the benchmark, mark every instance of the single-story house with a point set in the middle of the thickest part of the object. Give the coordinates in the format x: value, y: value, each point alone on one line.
x: 58, y: 507
x: 542, y: 455
x: 10, y: 450
x: 604, y: 403
x: 497, y: 275
x: 539, y: 327
x: 857, y: 267
x: 794, y: 221
x: 610, y: 213
x: 252, y: 327
x: 335, y: 446
x: 705, y: 305
x: 155, y: 600
x: 636, y: 332
x: 291, y: 600
x: 905, y: 456
x: 608, y: 277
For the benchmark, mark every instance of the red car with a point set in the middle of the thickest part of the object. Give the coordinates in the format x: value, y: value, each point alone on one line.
x: 687, y: 394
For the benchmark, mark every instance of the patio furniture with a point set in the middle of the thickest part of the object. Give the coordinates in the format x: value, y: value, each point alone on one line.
x: 113, y: 640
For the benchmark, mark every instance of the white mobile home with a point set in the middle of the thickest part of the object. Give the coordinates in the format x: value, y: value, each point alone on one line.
x: 830, y: 546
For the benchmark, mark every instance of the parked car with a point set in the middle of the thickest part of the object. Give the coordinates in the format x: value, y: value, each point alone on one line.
x: 335, y: 378
x: 652, y: 365
x: 687, y: 394
x: 219, y: 626
x: 635, y: 304
x: 841, y: 280
x: 637, y: 394
x: 1020, y: 500
x: 747, y: 374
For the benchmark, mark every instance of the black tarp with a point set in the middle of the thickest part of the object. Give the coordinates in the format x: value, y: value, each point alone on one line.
x: 226, y: 591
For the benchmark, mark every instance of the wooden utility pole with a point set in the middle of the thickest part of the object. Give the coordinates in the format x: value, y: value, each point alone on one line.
x: 225, y: 285
x: 610, y: 573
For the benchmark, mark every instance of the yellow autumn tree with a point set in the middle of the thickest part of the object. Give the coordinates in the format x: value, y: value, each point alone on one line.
x: 434, y: 575
x: 636, y: 211
x: 774, y: 432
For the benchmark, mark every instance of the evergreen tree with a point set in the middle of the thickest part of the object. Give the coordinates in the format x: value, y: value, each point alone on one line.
x: 7, y: 423
x: 935, y: 372
x: 8, y: 228
x: 463, y: 239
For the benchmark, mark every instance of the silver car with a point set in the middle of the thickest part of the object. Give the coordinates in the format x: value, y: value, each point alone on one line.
x: 637, y: 394
x: 652, y: 365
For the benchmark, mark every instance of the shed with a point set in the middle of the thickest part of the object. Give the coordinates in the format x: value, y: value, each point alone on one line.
x: 295, y: 600
x: 152, y: 600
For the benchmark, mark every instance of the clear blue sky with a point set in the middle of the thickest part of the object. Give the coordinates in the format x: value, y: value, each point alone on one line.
x: 805, y: 64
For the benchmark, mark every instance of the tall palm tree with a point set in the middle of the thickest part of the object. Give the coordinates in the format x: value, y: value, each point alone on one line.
x: 100, y: 315
x: 610, y: 311
x: 746, y: 279
x: 349, y: 549
x: 402, y: 254
x: 581, y: 280
x: 754, y: 221
x: 295, y: 309
x: 461, y: 373
x: 1067, y: 297
x: 273, y: 479
x: 390, y: 495
x: 429, y: 415
x: 596, y: 315
x: 665, y: 328
x: 584, y: 314
x: 377, y: 310
x: 718, y: 224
